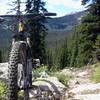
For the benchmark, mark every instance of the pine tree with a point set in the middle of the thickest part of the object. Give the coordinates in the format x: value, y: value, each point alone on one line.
x: 49, y: 59
x: 56, y: 54
x: 89, y: 30
x: 74, y: 50
x: 37, y: 29
x: 64, y: 56
x: 86, y: 42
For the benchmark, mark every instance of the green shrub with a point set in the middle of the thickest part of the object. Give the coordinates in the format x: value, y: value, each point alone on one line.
x: 95, y: 77
x: 63, y: 78
x: 3, y: 90
x: 37, y: 71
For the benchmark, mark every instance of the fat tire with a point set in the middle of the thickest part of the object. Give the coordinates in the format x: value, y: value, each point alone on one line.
x: 12, y: 92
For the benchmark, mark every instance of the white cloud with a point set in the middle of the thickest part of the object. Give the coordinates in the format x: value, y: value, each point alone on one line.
x: 75, y: 4
x: 5, y: 7
x: 61, y: 7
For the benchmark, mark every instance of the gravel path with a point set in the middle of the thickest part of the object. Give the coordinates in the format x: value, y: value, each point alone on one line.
x: 81, y: 88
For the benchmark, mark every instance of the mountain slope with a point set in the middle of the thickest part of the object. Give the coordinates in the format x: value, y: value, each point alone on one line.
x: 58, y: 28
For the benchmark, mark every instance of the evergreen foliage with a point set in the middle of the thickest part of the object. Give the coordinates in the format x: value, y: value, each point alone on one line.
x: 64, y: 56
x: 91, y: 31
x: 74, y: 50
x: 37, y: 29
x: 49, y: 58
x: 85, y: 41
x: 88, y: 31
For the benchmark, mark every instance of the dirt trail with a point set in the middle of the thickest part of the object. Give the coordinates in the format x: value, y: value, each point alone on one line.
x: 81, y: 88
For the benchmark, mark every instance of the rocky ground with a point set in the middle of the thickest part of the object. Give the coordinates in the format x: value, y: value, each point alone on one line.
x: 44, y: 88
x: 81, y: 88
x: 49, y: 88
x: 3, y: 70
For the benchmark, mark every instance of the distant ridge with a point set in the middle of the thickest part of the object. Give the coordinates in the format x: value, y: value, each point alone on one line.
x: 58, y: 28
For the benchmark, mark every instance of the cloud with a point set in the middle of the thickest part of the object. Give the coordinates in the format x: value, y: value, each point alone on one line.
x: 5, y: 7
x: 61, y: 7
x: 64, y: 6
x: 76, y: 4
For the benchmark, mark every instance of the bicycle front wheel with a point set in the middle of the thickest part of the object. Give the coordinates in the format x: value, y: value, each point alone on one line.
x: 17, y: 56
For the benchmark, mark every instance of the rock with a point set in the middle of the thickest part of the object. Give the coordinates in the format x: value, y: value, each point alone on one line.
x: 52, y: 86
x: 87, y: 97
x: 36, y: 62
x: 67, y: 72
x: 51, y: 82
x: 3, y: 70
x: 44, y: 75
x: 35, y: 92
x: 81, y: 88
x: 82, y: 74
x: 65, y: 96
x: 86, y: 89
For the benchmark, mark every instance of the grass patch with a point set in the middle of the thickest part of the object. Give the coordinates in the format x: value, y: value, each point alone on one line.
x: 63, y: 78
x: 95, y: 77
x: 3, y: 90
x: 37, y: 71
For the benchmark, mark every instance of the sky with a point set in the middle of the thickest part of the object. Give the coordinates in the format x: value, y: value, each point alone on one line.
x: 61, y: 7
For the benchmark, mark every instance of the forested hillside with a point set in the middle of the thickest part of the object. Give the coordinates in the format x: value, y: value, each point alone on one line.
x: 83, y: 47
x: 58, y: 28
